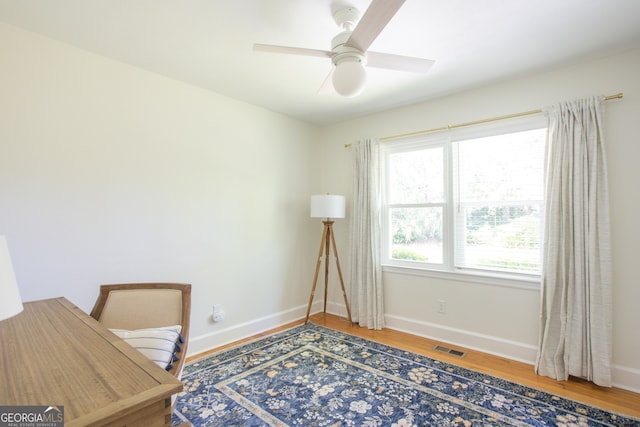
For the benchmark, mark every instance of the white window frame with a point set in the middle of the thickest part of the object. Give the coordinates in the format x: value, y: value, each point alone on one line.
x: 447, y: 269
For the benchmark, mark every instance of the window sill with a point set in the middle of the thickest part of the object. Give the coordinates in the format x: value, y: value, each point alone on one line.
x: 512, y: 281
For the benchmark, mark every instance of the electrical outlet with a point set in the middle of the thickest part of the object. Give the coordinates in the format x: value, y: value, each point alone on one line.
x: 442, y: 306
x: 218, y: 313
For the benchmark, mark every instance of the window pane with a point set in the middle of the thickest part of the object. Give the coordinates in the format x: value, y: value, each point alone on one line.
x: 505, y: 238
x: 502, y: 168
x: 416, y: 234
x: 500, y: 194
x: 416, y: 176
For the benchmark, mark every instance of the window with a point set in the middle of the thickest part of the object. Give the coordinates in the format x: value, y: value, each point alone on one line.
x: 467, y: 201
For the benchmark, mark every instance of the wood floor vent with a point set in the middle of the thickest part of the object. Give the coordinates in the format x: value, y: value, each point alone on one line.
x: 450, y: 351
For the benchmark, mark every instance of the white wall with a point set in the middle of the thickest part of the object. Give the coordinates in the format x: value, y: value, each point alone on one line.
x: 500, y: 319
x: 112, y: 174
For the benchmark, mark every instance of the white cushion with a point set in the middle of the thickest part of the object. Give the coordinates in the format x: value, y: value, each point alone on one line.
x: 157, y: 344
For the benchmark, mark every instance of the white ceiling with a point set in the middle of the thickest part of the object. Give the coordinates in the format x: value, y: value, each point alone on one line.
x: 208, y: 43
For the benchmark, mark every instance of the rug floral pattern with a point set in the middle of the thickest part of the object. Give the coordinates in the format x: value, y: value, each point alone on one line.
x: 314, y: 376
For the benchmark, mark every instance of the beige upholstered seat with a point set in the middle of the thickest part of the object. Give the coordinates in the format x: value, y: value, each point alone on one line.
x: 147, y: 305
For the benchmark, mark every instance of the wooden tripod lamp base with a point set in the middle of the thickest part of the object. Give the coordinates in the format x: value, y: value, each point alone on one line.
x: 327, y: 206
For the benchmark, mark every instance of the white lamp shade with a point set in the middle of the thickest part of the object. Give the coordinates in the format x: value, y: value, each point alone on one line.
x: 327, y: 206
x: 10, y: 302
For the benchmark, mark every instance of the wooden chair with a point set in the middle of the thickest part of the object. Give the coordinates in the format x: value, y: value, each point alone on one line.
x: 147, y: 305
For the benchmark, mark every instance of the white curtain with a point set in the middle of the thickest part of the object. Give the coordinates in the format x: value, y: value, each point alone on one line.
x: 576, y: 313
x: 364, y: 238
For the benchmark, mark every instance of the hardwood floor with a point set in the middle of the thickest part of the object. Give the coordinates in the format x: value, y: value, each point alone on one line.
x: 612, y: 399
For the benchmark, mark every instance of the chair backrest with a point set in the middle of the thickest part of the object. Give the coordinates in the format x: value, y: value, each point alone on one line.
x: 146, y: 305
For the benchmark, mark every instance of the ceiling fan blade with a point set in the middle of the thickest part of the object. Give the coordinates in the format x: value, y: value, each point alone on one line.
x: 375, y: 18
x: 327, y: 84
x: 292, y: 50
x: 398, y: 62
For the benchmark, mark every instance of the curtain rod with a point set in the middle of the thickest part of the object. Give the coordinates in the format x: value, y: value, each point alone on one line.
x: 476, y: 122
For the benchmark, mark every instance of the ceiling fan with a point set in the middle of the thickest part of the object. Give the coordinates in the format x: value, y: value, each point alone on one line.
x: 349, y: 48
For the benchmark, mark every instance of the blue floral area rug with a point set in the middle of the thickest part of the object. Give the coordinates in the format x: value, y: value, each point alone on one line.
x: 314, y: 376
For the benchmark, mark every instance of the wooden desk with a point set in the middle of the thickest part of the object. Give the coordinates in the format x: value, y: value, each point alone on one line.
x: 55, y: 354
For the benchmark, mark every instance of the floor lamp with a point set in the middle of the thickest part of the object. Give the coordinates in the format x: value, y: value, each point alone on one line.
x: 327, y: 206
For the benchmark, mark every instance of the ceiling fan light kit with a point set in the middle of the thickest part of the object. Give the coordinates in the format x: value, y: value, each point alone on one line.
x: 349, y: 77
x: 349, y: 48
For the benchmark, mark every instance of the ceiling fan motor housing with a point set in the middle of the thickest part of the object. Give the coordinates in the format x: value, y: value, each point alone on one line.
x: 343, y: 52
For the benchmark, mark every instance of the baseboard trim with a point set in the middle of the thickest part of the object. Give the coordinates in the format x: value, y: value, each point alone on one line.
x: 513, y: 350
x: 211, y: 340
x: 626, y: 378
